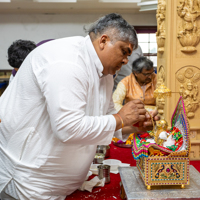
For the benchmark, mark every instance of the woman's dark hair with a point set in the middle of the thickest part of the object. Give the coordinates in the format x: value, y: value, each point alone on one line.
x: 18, y: 51
x: 141, y: 63
x: 116, y: 28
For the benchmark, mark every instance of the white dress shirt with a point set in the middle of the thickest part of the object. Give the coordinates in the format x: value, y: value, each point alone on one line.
x: 11, y: 78
x: 54, y: 113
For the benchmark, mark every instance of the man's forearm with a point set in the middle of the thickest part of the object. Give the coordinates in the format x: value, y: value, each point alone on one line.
x: 129, y: 129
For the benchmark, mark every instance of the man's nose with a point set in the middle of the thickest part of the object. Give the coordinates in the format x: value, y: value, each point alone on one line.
x: 125, y: 61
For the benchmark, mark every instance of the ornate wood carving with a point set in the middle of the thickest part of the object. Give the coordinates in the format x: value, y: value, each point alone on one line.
x: 188, y: 77
x: 160, y: 34
x: 193, y: 134
x: 189, y: 35
x: 160, y: 101
x: 161, y: 76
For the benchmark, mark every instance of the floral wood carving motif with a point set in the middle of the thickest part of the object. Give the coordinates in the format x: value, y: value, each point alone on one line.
x: 160, y: 101
x: 189, y: 35
x: 193, y: 134
x: 189, y: 89
x: 160, y: 34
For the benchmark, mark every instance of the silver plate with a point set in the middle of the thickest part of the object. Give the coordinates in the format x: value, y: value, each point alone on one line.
x: 135, y: 188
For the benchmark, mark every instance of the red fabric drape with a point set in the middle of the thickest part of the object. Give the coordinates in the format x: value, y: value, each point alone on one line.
x: 111, y: 191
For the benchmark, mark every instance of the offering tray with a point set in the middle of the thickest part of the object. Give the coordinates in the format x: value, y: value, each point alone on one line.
x: 133, y: 187
x: 122, y: 145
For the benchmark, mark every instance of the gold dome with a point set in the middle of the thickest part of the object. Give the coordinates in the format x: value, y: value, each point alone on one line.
x: 162, y: 91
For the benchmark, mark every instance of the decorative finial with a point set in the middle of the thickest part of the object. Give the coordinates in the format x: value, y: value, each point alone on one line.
x: 162, y: 91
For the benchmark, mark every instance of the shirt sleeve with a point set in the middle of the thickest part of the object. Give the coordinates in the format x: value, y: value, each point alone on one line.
x: 65, y: 89
x: 112, y: 110
x: 11, y: 78
x: 119, y: 96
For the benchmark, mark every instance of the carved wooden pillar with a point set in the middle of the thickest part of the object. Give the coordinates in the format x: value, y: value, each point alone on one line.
x: 178, y: 38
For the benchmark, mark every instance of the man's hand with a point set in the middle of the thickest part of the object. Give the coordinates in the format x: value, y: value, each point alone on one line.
x: 134, y: 113
x: 147, y: 124
x: 131, y: 113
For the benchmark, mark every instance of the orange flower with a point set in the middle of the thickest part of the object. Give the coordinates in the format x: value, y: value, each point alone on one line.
x: 114, y: 139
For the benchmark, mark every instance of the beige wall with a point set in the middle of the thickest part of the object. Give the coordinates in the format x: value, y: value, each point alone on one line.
x: 37, y: 27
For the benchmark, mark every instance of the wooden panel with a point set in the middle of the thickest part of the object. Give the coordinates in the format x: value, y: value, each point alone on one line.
x: 195, y: 152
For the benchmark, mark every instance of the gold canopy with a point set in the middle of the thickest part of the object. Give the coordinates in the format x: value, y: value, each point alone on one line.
x: 162, y: 91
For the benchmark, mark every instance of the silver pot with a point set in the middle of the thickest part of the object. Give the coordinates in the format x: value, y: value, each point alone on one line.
x: 99, y: 158
x: 105, y: 149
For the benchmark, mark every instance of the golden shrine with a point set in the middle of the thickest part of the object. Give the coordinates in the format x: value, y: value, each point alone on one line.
x: 162, y: 155
x: 178, y: 41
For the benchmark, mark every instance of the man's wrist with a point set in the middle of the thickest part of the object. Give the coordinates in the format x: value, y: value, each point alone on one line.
x: 120, y: 119
x: 118, y: 122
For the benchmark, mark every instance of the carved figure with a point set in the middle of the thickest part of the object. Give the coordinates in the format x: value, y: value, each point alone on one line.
x: 190, y: 98
x: 189, y: 35
x: 189, y: 94
x: 160, y: 76
x: 161, y: 8
x: 160, y: 103
x: 188, y: 90
x: 161, y: 18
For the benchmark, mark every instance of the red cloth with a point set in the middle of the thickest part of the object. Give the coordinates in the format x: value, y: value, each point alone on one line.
x: 111, y: 191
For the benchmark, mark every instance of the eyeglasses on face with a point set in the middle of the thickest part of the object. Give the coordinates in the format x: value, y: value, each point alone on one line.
x: 147, y: 74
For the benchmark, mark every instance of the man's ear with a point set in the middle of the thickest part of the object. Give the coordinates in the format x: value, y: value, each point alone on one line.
x: 103, y: 40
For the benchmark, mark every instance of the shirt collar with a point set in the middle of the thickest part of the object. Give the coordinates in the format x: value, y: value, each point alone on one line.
x: 93, y: 56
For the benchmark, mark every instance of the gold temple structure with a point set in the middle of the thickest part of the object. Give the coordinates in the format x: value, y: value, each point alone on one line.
x: 178, y: 40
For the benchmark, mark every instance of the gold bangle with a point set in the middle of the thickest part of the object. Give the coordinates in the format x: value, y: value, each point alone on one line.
x: 121, y: 120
